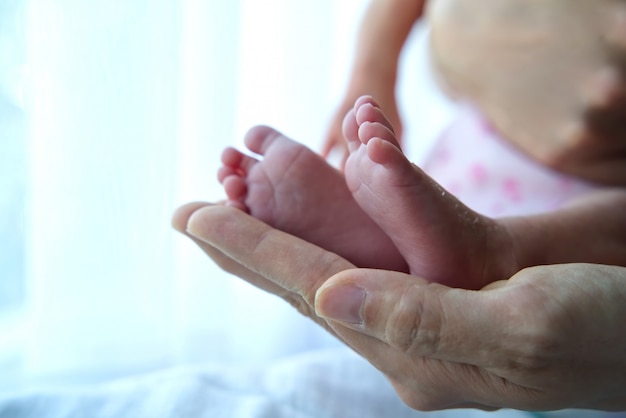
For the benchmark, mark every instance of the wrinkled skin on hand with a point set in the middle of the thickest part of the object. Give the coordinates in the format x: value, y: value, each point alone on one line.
x: 551, y: 337
x: 531, y: 342
x: 550, y: 75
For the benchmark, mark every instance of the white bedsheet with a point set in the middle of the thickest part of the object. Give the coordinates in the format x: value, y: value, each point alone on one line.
x: 330, y: 383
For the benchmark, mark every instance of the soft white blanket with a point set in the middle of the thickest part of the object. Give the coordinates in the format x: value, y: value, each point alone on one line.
x: 331, y: 383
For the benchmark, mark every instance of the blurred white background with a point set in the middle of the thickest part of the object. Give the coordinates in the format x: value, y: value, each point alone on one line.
x: 113, y: 113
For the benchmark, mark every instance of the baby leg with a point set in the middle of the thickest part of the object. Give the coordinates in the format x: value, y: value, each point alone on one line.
x: 441, y: 239
x: 293, y: 189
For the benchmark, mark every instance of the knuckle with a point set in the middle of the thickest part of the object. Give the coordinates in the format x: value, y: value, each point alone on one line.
x: 412, y: 328
x: 534, y: 351
x: 537, y: 340
x: 299, y: 304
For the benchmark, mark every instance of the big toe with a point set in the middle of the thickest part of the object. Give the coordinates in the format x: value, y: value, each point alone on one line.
x: 260, y: 139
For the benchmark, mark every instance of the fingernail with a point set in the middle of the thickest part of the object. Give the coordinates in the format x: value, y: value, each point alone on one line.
x: 194, y: 231
x: 191, y: 233
x: 342, y: 303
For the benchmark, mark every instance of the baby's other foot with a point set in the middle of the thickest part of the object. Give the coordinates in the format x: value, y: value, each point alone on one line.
x: 293, y: 189
x: 442, y: 240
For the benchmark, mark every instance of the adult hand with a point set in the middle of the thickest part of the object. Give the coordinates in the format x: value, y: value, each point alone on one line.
x: 549, y: 338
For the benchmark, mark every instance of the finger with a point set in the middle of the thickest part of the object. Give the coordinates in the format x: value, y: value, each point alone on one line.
x: 335, y: 142
x: 350, y: 131
x: 344, y: 159
x: 336, y: 153
x: 233, y: 267
x: 328, y: 146
x: 415, y: 317
x: 423, y: 384
x: 275, y: 261
x: 441, y: 347
x: 180, y: 220
x: 182, y: 214
x: 289, y: 262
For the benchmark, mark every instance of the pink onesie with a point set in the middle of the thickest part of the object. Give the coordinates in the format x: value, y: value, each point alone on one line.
x: 490, y: 176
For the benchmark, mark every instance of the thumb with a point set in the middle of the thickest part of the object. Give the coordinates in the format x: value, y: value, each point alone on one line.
x: 418, y: 318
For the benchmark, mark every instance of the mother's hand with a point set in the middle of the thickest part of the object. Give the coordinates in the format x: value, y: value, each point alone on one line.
x: 549, y: 338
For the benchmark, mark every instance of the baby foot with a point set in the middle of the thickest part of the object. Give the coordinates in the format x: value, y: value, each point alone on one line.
x: 440, y: 238
x: 295, y: 190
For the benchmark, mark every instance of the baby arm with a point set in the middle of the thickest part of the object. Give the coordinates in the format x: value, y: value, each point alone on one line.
x: 381, y: 37
x: 591, y: 229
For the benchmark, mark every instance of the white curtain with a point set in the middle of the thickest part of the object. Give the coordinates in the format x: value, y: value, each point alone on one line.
x: 121, y: 109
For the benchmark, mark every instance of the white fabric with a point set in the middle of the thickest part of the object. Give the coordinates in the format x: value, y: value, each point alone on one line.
x: 326, y: 384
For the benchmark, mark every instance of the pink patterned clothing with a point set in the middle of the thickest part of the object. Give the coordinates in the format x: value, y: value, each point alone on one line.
x: 490, y: 176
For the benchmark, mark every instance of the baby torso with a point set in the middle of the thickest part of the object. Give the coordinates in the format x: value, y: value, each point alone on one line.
x: 526, y: 64
x: 491, y: 176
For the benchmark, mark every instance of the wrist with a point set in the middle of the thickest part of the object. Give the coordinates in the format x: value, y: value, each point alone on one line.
x: 503, y: 242
x: 369, y: 76
x: 530, y: 242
